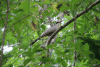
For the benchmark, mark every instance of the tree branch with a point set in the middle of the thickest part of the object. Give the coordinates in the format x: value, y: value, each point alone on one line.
x: 4, y: 34
x: 73, y: 19
x: 20, y: 19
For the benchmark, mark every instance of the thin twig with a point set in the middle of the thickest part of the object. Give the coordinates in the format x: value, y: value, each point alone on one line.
x: 20, y: 20
x: 4, y: 34
x: 75, y: 53
x: 73, y: 19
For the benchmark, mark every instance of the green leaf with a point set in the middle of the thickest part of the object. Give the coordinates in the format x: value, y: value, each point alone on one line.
x: 58, y: 17
x: 47, y: 64
x: 18, y: 10
x: 51, y: 46
x: 59, y: 59
x: 33, y: 3
x: 46, y: 13
x: 58, y: 40
x: 35, y: 48
x: 27, y: 61
x: 45, y: 59
x: 25, y: 6
x: 64, y: 7
x: 74, y: 2
x: 64, y: 43
x: 10, y: 65
x: 64, y: 64
x: 21, y: 66
x: 43, y: 27
x: 85, y: 47
x: 47, y: 1
x: 73, y: 12
x: 78, y: 44
x: 34, y: 9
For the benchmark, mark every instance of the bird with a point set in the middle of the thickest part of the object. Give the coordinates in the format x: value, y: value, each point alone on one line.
x: 48, y: 32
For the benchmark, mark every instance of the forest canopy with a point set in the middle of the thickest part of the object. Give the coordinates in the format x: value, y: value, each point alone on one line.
x: 75, y: 43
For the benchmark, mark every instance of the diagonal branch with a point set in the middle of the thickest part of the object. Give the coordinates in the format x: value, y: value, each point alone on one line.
x: 1, y: 58
x: 73, y: 19
x: 20, y: 19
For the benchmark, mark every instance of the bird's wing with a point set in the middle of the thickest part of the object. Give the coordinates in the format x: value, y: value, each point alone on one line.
x: 49, y: 31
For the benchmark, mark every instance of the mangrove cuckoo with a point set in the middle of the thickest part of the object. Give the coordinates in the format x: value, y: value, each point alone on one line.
x: 48, y: 32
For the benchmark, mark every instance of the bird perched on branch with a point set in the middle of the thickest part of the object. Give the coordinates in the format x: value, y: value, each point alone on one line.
x: 48, y: 32
x: 51, y: 30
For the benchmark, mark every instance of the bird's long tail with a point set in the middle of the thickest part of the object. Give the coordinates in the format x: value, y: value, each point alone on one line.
x: 34, y: 41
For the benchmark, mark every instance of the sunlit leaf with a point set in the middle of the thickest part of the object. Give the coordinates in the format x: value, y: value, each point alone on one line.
x: 25, y: 7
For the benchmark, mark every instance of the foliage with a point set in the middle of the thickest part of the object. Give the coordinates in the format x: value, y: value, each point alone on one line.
x: 19, y: 34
